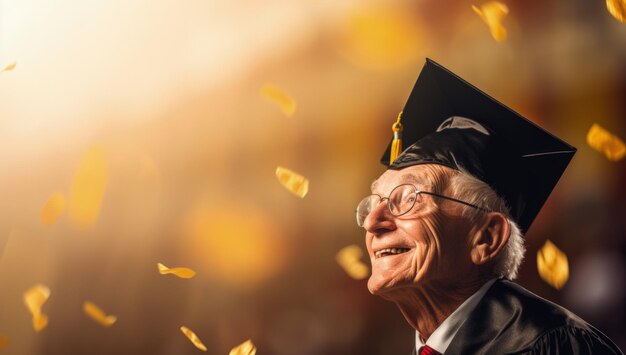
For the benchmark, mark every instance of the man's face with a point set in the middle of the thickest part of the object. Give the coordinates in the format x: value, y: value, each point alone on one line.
x: 431, y: 241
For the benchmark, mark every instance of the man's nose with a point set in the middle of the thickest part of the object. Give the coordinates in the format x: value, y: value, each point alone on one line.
x: 380, y: 219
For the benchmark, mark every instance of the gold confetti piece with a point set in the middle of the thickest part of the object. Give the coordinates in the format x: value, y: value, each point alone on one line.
x: 297, y: 184
x: 94, y: 312
x: 350, y: 260
x: 9, y: 67
x: 280, y: 97
x: 617, y: 8
x: 182, y: 272
x: 4, y: 341
x: 53, y: 209
x: 603, y: 141
x: 245, y: 348
x: 40, y: 322
x: 193, y: 338
x: 492, y: 14
x: 34, y: 298
x: 552, y: 265
x: 88, y: 188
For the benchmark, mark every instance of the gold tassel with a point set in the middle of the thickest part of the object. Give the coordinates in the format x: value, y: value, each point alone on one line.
x: 396, y: 143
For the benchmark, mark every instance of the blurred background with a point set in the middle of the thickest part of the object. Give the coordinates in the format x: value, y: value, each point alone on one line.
x: 158, y: 103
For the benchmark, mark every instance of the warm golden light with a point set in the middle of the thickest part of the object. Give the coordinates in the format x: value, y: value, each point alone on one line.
x: 234, y: 242
x: 121, y: 122
x: 379, y: 38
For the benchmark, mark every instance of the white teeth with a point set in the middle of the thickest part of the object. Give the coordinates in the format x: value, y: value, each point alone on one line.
x: 390, y: 251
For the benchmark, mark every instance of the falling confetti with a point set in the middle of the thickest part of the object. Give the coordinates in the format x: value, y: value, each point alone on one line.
x: 4, y: 341
x: 245, y: 348
x: 350, y: 260
x: 34, y: 298
x: 617, y: 8
x: 88, y: 188
x: 182, y: 272
x: 603, y: 141
x: 297, y: 184
x: 53, y: 209
x: 9, y: 67
x: 492, y: 13
x: 193, y: 338
x: 280, y: 97
x: 94, y: 312
x: 552, y: 265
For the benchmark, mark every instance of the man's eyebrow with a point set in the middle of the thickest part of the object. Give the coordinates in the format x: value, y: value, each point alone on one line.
x: 412, y: 179
x: 405, y: 179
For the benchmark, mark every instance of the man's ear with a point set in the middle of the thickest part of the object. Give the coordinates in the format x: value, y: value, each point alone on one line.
x: 490, y: 237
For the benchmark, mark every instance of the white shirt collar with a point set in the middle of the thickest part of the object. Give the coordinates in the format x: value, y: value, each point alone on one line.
x: 441, y: 338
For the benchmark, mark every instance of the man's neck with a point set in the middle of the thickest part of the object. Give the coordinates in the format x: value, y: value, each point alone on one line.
x: 427, y: 306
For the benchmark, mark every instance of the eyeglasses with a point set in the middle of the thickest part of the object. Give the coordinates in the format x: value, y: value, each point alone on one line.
x: 400, y: 201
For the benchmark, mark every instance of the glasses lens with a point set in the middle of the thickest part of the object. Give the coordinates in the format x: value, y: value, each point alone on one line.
x: 402, y: 199
x: 365, y: 207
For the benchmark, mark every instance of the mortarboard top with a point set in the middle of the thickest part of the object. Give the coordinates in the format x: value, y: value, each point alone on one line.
x: 448, y: 121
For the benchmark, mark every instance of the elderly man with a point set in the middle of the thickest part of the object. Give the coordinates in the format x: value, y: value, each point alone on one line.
x: 444, y: 225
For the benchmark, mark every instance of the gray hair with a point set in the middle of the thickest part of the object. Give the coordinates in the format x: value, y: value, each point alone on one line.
x: 468, y: 188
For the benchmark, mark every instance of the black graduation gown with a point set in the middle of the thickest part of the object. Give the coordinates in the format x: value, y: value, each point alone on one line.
x: 512, y: 320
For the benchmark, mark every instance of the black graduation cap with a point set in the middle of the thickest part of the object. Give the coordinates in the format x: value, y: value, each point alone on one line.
x: 448, y: 121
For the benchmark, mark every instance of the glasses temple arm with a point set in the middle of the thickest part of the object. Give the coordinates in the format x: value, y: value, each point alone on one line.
x: 455, y: 200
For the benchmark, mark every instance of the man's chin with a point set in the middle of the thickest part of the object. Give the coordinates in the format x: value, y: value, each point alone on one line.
x: 379, y: 286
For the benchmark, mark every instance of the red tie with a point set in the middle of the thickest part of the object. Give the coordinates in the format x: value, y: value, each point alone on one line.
x: 427, y: 350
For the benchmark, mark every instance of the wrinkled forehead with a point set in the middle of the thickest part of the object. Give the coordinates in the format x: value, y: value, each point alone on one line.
x: 423, y: 176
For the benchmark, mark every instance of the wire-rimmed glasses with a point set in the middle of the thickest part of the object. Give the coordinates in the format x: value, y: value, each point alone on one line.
x: 400, y: 201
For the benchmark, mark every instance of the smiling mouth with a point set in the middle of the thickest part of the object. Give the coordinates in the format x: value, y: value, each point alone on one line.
x: 390, y: 251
